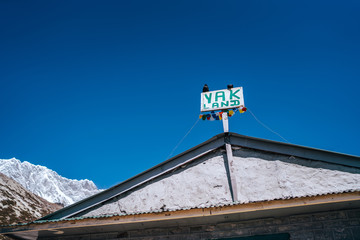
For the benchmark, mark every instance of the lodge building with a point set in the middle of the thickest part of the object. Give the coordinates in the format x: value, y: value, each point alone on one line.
x: 229, y: 187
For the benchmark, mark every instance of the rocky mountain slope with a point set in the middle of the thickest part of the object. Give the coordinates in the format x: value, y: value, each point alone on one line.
x: 47, y: 183
x: 20, y: 205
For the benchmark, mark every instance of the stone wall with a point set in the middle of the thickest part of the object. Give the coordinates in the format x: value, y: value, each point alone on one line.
x: 326, y: 225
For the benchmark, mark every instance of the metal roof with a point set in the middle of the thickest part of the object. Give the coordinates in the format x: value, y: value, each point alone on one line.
x: 41, y: 221
x: 233, y: 212
x: 295, y: 150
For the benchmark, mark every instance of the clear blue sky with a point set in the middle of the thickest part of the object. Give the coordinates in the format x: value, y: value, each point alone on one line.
x: 106, y: 89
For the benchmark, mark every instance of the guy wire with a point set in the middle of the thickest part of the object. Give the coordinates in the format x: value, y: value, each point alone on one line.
x: 266, y: 126
x: 182, y: 139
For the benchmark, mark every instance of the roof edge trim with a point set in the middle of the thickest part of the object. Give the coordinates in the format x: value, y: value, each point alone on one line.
x: 160, y: 169
x: 351, y: 199
x: 295, y: 150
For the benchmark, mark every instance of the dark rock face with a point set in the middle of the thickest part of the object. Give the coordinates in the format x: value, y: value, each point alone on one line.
x: 19, y: 205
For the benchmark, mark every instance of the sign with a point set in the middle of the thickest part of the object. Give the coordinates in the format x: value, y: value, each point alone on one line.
x: 222, y: 99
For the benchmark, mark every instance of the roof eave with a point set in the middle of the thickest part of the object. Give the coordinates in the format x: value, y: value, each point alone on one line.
x: 215, y: 214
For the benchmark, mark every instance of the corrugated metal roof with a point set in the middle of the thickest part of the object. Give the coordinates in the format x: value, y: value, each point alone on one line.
x: 165, y: 210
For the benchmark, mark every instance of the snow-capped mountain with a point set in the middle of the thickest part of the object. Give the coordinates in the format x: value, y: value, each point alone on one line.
x: 47, y: 183
x: 20, y: 205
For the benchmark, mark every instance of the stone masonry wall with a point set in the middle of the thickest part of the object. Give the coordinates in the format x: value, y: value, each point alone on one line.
x: 327, y: 225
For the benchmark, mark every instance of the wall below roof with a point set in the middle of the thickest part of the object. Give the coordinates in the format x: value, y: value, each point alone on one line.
x: 199, y: 184
x: 259, y: 175
x: 343, y: 224
x: 262, y: 176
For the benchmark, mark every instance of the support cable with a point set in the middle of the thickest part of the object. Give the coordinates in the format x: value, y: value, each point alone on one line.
x: 268, y: 128
x: 171, y: 153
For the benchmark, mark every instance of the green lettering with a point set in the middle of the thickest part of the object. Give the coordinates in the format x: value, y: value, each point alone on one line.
x: 234, y: 94
x: 218, y: 95
x: 215, y: 105
x: 225, y: 104
x: 235, y: 102
x: 205, y: 107
x: 208, y: 97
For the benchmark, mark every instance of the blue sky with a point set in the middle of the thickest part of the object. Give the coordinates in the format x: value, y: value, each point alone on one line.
x: 106, y: 89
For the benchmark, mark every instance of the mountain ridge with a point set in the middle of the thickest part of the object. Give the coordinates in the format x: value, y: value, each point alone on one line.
x: 47, y: 183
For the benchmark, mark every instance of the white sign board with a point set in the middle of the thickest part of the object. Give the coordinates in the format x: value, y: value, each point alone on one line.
x: 222, y: 99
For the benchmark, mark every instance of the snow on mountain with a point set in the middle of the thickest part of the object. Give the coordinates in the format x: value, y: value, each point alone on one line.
x: 47, y: 183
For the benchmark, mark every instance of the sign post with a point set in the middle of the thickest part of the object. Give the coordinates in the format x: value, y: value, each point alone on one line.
x: 221, y: 100
x: 225, y: 121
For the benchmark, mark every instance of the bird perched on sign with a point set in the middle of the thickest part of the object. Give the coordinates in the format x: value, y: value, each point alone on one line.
x: 205, y: 88
x: 230, y: 86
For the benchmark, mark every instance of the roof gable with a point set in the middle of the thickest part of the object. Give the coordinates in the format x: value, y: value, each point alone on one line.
x: 264, y: 176
x: 201, y: 183
x: 149, y: 185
